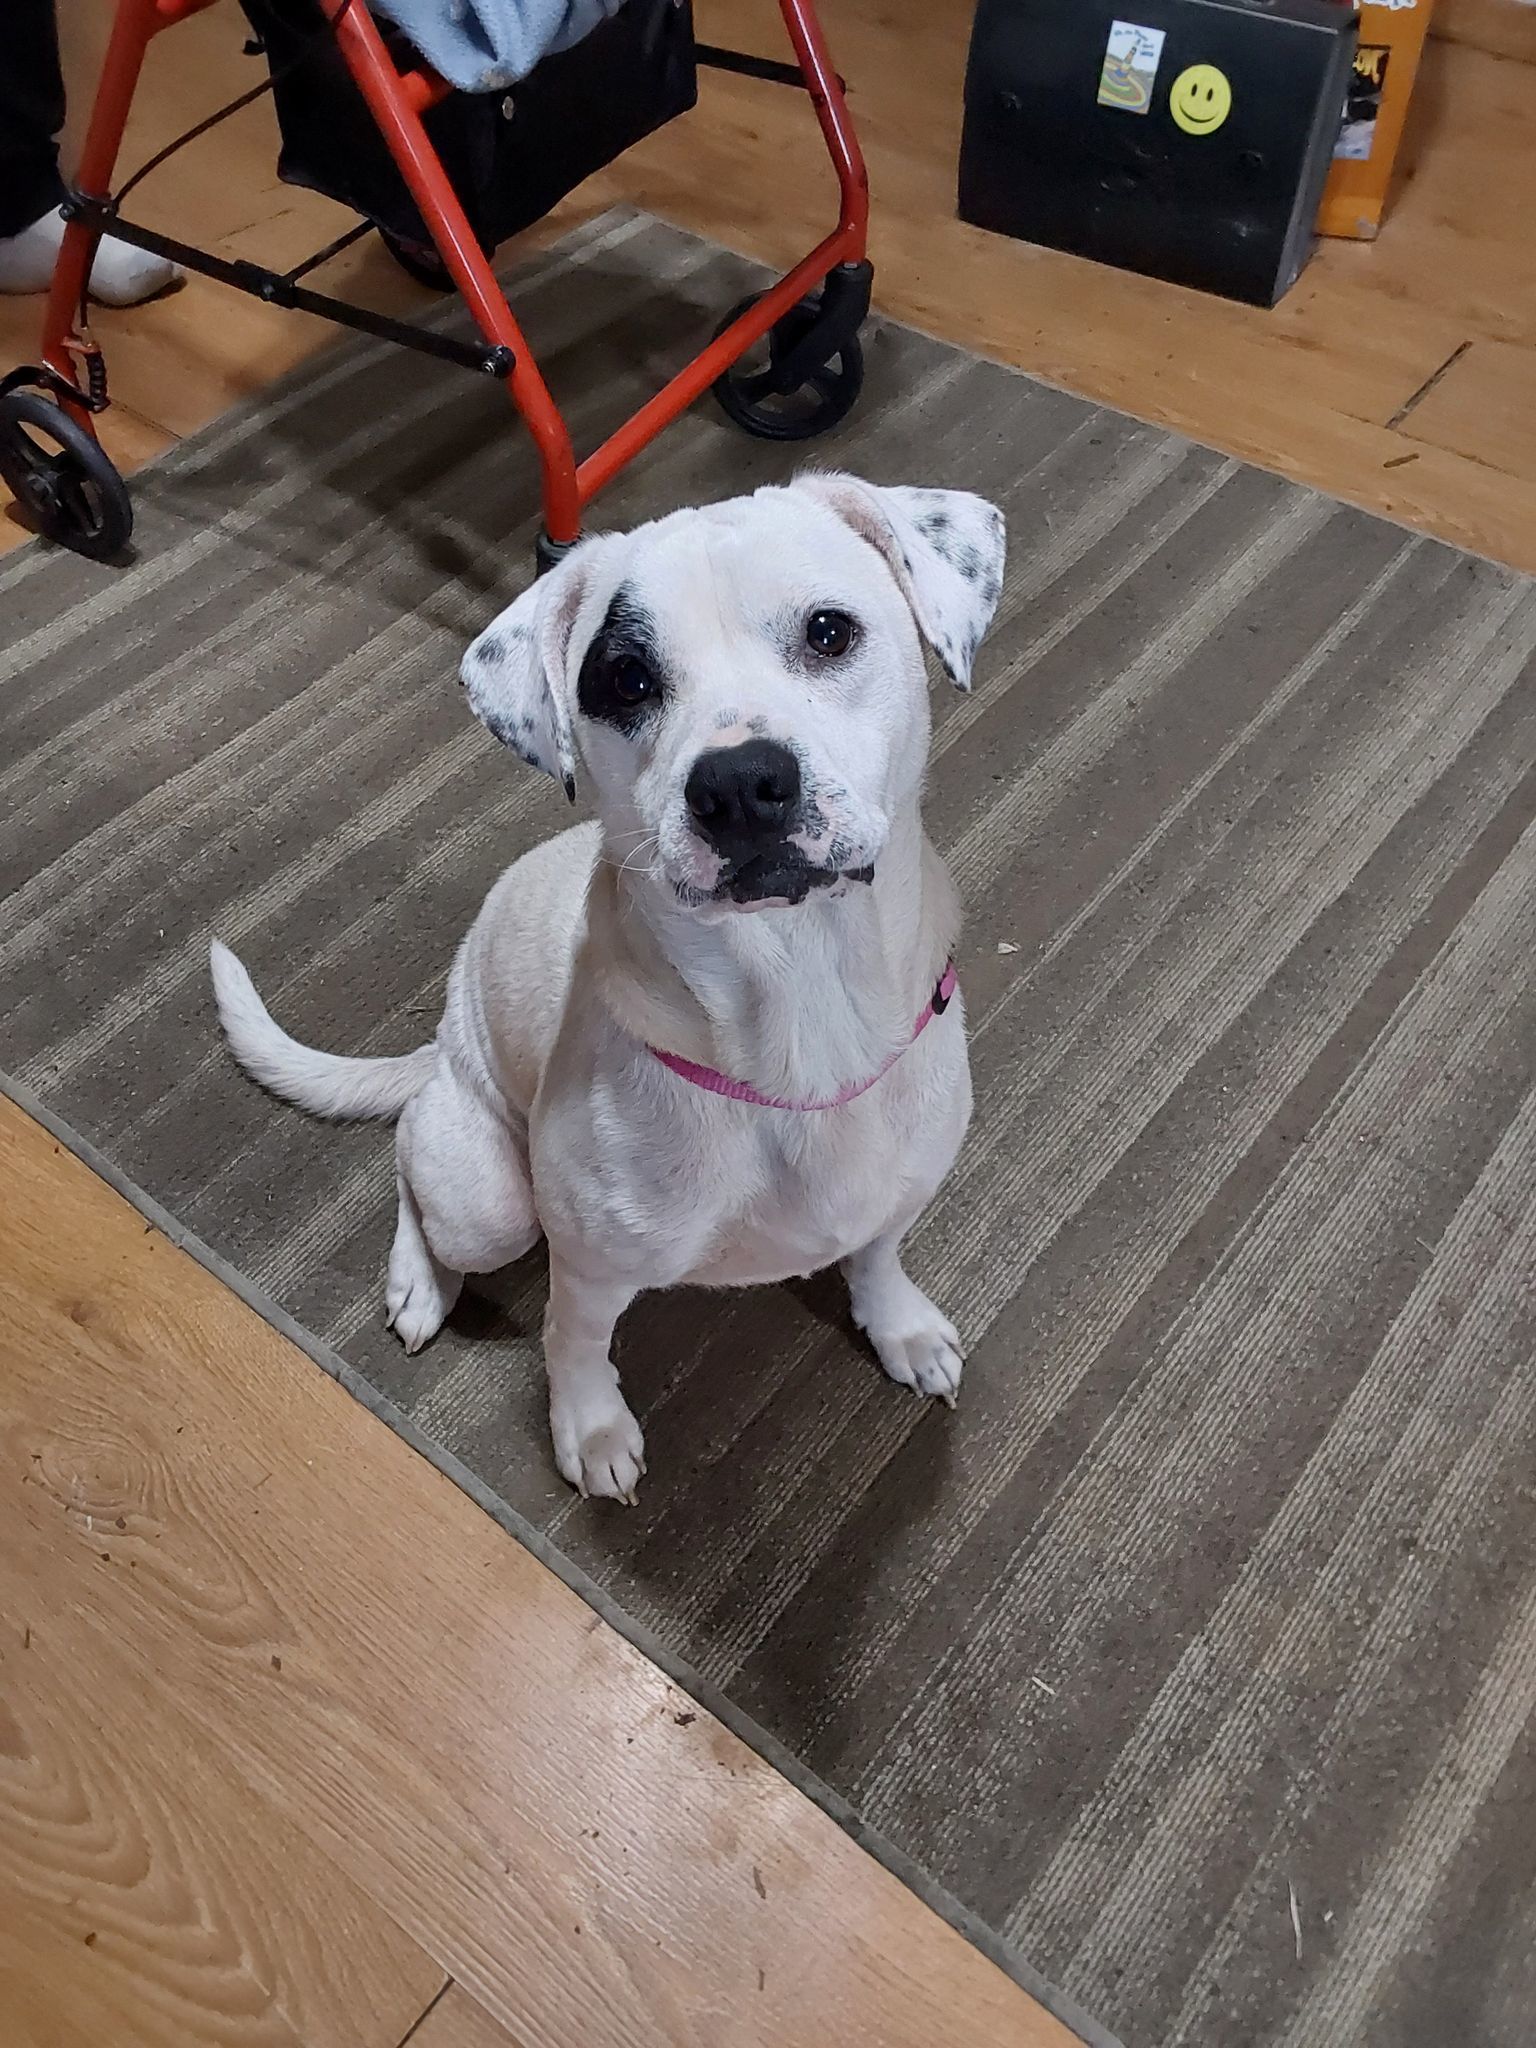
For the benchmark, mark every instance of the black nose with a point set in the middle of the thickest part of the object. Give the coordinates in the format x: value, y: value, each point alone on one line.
x: 743, y: 797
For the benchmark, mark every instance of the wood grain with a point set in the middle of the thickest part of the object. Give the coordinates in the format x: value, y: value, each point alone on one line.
x: 591, y: 1856
x: 1306, y: 389
x: 1483, y: 408
x: 1503, y: 28
x: 455, y: 2021
x: 147, y: 1894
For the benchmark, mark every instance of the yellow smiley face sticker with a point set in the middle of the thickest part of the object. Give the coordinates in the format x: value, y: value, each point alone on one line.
x: 1200, y: 99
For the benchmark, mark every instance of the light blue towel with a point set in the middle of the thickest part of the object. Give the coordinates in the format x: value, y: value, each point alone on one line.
x: 487, y: 45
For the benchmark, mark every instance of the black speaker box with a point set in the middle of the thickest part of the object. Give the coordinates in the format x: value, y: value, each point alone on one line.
x: 1185, y: 138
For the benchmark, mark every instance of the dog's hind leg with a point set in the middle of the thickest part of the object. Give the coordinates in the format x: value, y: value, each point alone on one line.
x: 420, y: 1292
x: 914, y: 1341
x: 466, y: 1204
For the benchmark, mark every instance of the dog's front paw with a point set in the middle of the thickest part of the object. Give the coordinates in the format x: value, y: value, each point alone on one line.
x: 598, y: 1445
x: 919, y: 1348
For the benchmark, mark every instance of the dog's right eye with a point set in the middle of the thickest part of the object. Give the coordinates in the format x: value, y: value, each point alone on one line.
x: 623, y: 680
x: 631, y: 681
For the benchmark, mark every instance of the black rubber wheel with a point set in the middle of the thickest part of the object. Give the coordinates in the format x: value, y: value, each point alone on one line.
x: 755, y: 392
x: 419, y: 261
x: 61, y: 478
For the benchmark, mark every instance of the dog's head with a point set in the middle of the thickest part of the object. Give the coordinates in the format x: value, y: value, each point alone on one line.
x: 744, y: 683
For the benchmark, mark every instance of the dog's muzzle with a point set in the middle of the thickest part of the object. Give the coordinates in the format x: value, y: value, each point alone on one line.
x: 782, y: 875
x: 746, y: 803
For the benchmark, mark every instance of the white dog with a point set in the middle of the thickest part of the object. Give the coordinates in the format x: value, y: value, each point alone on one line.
x: 671, y: 1089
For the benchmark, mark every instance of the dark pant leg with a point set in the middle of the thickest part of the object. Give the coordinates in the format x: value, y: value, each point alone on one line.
x: 31, y: 113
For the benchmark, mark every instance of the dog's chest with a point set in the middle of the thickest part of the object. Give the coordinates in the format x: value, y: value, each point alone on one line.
x: 812, y: 1202
x: 818, y: 1187
x: 680, y: 1186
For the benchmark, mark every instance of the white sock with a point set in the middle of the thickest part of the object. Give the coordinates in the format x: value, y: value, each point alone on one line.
x: 120, y: 276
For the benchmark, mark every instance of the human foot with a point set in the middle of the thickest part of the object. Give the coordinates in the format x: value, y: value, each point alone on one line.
x: 120, y: 276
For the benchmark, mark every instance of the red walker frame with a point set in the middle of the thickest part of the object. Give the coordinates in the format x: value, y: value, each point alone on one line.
x: 397, y: 101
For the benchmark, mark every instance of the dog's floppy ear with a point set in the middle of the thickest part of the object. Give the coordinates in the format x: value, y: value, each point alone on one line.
x: 945, y: 550
x: 516, y: 673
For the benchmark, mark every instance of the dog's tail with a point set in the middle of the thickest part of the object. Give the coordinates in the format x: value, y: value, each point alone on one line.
x: 318, y: 1081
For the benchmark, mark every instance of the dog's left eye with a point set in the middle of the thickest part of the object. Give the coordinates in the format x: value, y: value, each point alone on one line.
x: 829, y: 633
x: 631, y: 681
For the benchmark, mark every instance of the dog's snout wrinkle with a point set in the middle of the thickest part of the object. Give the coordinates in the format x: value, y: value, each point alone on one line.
x: 744, y: 797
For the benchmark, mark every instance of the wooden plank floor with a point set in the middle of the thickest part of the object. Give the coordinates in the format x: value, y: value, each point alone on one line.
x: 291, y: 1734
x: 295, y: 1745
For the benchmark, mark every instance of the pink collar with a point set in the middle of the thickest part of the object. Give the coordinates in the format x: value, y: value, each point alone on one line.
x: 741, y: 1091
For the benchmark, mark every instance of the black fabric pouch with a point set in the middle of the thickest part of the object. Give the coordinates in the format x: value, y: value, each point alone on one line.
x: 510, y: 155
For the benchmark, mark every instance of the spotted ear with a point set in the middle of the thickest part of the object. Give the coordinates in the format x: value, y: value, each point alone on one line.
x: 516, y: 673
x: 945, y: 550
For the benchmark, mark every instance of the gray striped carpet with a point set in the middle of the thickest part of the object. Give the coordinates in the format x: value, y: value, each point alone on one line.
x: 1195, y: 1654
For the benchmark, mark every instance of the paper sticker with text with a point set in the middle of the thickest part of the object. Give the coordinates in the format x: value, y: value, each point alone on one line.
x: 1131, y: 58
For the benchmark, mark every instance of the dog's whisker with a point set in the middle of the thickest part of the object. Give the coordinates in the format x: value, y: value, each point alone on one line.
x: 648, y: 846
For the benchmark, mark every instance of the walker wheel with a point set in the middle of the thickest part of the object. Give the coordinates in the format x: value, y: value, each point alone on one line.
x: 61, y: 478
x: 421, y: 262
x: 765, y: 395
